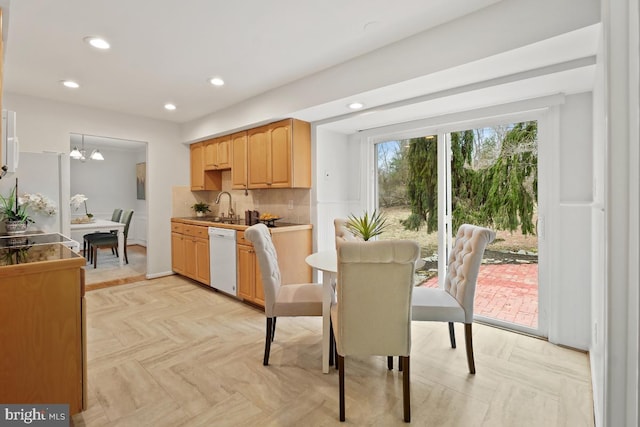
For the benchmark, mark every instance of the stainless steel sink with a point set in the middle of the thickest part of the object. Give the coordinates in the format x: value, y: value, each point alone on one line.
x: 222, y: 220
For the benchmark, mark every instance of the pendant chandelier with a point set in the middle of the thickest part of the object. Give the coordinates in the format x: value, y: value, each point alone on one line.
x: 82, y: 153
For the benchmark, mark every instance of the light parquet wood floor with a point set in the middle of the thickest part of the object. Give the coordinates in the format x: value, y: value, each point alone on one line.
x: 167, y: 352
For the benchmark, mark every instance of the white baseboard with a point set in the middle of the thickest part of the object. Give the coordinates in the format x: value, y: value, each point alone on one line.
x: 156, y: 275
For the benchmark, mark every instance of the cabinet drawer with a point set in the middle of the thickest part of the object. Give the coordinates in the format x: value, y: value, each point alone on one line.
x: 177, y: 227
x: 196, y: 231
x: 240, y: 240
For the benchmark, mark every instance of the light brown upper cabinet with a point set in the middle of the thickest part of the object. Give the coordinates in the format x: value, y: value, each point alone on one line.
x: 202, y: 179
x: 197, y: 166
x: 279, y: 155
x: 217, y: 153
x: 239, y: 161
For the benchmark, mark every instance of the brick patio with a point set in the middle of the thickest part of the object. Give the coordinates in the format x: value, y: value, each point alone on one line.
x: 507, y: 292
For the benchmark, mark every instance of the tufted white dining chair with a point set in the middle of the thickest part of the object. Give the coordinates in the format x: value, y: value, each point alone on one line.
x: 373, y: 311
x: 454, y: 302
x: 303, y: 299
x: 342, y: 233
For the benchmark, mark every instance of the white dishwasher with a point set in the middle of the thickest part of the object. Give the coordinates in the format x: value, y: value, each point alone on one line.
x: 222, y: 259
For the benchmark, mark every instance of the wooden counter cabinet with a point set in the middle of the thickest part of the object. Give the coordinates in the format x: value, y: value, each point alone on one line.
x: 217, y: 153
x: 190, y: 251
x: 279, y: 155
x: 239, y: 161
x: 249, y: 277
x: 202, y: 179
x: 43, y: 329
x: 292, y: 247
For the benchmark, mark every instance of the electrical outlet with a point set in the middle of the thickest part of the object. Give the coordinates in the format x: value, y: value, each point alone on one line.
x: 290, y: 206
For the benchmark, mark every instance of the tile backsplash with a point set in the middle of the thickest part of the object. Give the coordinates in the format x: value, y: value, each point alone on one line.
x: 292, y: 205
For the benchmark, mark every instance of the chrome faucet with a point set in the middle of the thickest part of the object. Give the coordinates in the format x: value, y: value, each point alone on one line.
x: 231, y: 212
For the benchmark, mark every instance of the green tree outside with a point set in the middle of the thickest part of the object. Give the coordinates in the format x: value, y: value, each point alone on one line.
x: 493, y: 176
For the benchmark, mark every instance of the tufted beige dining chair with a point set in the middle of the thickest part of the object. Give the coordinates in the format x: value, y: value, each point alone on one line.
x: 343, y: 234
x: 373, y: 311
x: 454, y: 303
x: 303, y: 299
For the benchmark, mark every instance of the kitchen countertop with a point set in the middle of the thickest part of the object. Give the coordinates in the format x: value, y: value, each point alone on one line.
x: 26, y: 259
x: 204, y: 221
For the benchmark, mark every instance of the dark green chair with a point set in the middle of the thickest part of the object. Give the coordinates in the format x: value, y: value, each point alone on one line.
x: 115, y: 217
x: 110, y: 240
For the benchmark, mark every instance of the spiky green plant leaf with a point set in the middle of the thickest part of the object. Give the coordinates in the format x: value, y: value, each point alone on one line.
x: 367, y: 226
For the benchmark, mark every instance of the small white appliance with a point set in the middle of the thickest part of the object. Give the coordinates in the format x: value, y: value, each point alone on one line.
x: 10, y: 149
x: 222, y: 255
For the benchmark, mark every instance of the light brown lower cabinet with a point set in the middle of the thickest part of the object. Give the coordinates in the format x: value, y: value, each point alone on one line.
x: 190, y: 251
x: 43, y: 329
x: 190, y: 256
x: 292, y: 247
x: 249, y: 279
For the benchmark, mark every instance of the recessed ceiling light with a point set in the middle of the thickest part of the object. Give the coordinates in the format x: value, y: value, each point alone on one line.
x: 97, y: 42
x: 216, y: 81
x: 169, y: 107
x: 70, y: 84
x: 356, y: 105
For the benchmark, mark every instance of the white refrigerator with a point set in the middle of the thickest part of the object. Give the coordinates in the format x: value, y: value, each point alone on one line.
x: 47, y: 174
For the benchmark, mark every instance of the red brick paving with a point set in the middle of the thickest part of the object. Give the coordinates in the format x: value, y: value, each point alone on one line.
x: 507, y: 292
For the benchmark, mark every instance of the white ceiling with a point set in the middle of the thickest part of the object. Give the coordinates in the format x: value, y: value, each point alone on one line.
x: 165, y: 50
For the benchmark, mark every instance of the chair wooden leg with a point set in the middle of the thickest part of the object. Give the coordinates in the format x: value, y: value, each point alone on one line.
x: 341, y: 385
x: 126, y: 259
x: 469, y: 346
x: 406, y: 394
x: 267, y: 341
x: 400, y: 363
x: 331, y: 343
x: 273, y: 332
x: 452, y: 335
x: 390, y: 363
x: 335, y: 354
x: 94, y: 254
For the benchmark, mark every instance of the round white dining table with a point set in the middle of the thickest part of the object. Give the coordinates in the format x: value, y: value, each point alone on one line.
x: 327, y: 262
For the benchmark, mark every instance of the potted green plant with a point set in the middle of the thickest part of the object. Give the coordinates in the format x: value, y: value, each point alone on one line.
x: 13, y: 213
x: 367, y: 226
x: 201, y: 208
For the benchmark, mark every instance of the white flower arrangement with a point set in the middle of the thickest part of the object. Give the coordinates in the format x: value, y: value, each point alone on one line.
x: 39, y: 203
x: 78, y: 200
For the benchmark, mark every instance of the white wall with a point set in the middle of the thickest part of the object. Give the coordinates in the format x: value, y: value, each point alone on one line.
x: 110, y: 184
x: 455, y: 43
x: 569, y: 231
x: 44, y: 125
x: 336, y: 164
x: 619, y: 126
x: 138, y: 232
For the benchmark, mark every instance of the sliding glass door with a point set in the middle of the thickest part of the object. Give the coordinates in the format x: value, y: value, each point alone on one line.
x: 487, y: 175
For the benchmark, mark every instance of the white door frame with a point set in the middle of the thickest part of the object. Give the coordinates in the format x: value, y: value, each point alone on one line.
x: 548, y: 125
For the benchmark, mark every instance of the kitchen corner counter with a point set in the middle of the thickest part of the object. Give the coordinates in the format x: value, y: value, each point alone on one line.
x: 37, y: 258
x: 42, y: 325
x: 280, y: 227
